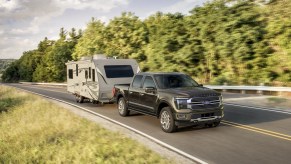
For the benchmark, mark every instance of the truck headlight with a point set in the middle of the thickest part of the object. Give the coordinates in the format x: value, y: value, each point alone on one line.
x: 181, y: 103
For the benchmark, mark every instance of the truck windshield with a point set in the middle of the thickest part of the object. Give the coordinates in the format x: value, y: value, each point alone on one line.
x: 175, y: 81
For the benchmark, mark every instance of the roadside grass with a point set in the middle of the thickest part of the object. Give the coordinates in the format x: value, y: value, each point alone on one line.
x: 277, y: 99
x: 34, y: 130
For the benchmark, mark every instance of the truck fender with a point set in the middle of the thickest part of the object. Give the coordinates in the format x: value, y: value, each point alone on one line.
x: 161, y: 105
x: 119, y: 95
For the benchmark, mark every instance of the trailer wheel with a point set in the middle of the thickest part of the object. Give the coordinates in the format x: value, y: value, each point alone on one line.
x: 79, y: 99
x: 122, y: 107
x: 95, y: 102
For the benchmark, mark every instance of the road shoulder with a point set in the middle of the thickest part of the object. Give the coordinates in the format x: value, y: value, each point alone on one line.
x: 166, y: 153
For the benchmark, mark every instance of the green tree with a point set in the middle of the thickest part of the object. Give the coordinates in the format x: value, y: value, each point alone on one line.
x: 11, y: 73
x: 126, y: 36
x: 92, y: 40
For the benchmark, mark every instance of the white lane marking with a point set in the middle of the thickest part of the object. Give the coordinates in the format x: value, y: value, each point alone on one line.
x: 261, y: 108
x: 52, y: 90
x: 247, y: 98
x: 128, y: 127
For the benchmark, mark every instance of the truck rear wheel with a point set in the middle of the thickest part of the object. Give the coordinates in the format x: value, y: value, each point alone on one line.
x: 122, y: 107
x: 167, y: 120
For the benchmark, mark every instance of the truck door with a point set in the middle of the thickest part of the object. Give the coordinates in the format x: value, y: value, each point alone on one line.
x: 134, y: 93
x: 148, y: 98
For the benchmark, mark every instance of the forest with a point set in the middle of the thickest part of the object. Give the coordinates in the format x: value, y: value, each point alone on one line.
x: 239, y: 42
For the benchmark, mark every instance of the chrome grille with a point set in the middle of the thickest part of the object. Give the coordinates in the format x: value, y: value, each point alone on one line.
x: 204, y: 102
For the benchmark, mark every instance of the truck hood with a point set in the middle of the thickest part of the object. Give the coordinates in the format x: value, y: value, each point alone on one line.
x: 192, y: 92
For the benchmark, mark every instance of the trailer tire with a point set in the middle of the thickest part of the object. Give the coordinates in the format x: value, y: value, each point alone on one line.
x: 122, y: 107
x: 79, y: 99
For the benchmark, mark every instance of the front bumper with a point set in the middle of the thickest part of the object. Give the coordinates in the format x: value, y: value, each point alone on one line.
x: 200, y: 118
x: 199, y: 121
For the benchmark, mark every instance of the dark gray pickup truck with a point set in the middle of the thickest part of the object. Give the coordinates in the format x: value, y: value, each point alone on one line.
x: 175, y: 98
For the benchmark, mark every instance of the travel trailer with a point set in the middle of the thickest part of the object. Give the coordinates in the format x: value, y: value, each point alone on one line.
x: 92, y: 78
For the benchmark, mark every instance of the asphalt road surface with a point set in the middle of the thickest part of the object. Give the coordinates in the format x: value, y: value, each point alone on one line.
x: 247, y: 135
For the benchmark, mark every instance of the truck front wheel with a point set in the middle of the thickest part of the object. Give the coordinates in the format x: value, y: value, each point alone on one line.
x: 122, y: 107
x: 167, y: 120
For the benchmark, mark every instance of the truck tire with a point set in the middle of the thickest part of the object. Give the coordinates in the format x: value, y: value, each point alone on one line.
x: 122, y: 107
x: 167, y: 120
x: 214, y: 124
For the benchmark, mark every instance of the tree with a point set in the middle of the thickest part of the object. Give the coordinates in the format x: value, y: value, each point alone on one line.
x: 125, y: 37
x: 92, y: 40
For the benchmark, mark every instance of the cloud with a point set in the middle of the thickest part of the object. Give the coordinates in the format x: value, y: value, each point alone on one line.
x: 183, y: 6
x: 18, y: 47
x: 26, y: 18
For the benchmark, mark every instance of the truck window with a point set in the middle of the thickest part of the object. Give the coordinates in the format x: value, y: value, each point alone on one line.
x: 137, y: 81
x: 70, y: 73
x: 175, y: 81
x: 89, y: 72
x: 149, y: 82
x: 118, y: 71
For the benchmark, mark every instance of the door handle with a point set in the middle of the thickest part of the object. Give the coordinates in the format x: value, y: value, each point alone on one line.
x: 141, y: 94
x: 130, y: 92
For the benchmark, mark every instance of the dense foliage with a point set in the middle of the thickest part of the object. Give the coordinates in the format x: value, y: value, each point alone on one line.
x: 4, y: 63
x: 233, y: 41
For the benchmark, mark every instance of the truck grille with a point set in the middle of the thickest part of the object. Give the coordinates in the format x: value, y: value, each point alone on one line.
x: 204, y: 102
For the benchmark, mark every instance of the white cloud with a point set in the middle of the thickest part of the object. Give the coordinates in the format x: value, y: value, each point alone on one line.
x: 19, y: 45
x: 183, y: 6
x: 22, y: 19
x: 22, y: 31
x: 8, y: 5
x: 104, y: 19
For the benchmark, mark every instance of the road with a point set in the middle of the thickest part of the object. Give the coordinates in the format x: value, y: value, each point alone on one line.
x: 247, y: 135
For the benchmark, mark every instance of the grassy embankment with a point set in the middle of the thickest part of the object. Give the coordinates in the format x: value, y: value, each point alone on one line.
x: 34, y: 130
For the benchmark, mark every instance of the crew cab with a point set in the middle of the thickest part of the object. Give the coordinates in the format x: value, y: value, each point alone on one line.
x: 175, y: 98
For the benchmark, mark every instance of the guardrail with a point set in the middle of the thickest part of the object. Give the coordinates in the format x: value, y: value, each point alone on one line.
x: 51, y: 84
x: 250, y: 88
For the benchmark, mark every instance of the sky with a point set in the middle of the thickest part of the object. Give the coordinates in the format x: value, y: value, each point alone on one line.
x: 24, y: 23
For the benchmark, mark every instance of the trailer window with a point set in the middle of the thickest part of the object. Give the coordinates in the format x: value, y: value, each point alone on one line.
x: 77, y: 69
x: 93, y: 74
x: 118, y: 71
x: 70, y: 74
x: 86, y: 74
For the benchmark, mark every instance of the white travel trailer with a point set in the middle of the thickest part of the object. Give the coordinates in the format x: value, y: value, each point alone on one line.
x: 93, y: 78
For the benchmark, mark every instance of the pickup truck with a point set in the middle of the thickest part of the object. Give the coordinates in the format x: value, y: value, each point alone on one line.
x: 175, y: 98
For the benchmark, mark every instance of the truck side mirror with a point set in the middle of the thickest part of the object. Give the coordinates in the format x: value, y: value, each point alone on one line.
x: 150, y: 89
x: 200, y: 85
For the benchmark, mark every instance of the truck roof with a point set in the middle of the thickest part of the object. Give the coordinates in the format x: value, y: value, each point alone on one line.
x: 159, y: 73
